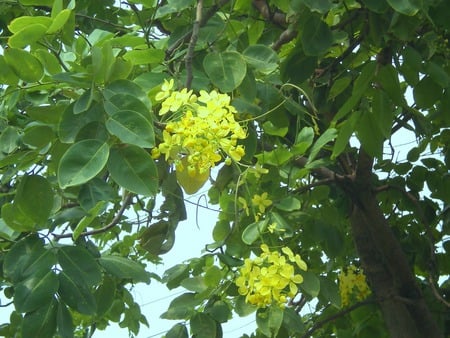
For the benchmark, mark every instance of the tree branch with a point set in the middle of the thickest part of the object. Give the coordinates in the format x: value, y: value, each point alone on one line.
x: 114, y: 222
x: 321, y: 323
x: 192, y: 43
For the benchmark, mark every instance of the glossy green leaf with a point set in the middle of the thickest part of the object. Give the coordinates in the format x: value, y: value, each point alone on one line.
x: 254, y: 231
x: 181, y: 307
x: 202, y: 325
x: 226, y: 70
x: 359, y: 88
x: 316, y: 37
x: 144, y: 56
x: 133, y: 168
x: 22, y: 22
x: 339, y: 86
x: 126, y: 102
x: 426, y: 92
x: 125, y: 268
x: 158, y: 238
x: 16, y: 219
x: 177, y: 331
x: 84, y: 102
x: 7, y: 74
x: 28, y: 258
x: 383, y: 114
x: 370, y: 135
x: 310, y: 284
x: 345, y: 131
x: 26, y: 36
x: 129, y: 88
x: 329, y: 135
x: 303, y: 141
x: 82, y: 162
x: 96, y: 210
x: 288, y: 203
x: 79, y: 265
x: 195, y: 284
x: 269, y: 320
x: 64, y: 322
x: 35, y: 198
x: 407, y: 7
x: 59, y: 21
x: 76, y: 295
x: 261, y: 58
x: 292, y: 321
x: 105, y: 295
x: 32, y: 293
x: 9, y: 138
x: 38, y: 137
x: 132, y: 128
x: 70, y: 124
x: 25, y: 65
x: 94, y: 191
x: 42, y: 322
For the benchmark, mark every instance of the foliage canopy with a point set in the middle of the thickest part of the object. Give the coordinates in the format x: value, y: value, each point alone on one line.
x: 109, y: 109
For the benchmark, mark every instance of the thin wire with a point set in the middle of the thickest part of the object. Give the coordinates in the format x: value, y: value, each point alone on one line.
x: 241, y: 327
x: 162, y: 298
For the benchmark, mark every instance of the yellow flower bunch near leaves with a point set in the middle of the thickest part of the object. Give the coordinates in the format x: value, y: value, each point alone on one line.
x: 352, y: 285
x: 271, y: 277
x: 201, y: 131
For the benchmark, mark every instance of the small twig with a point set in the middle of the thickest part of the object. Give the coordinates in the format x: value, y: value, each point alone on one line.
x: 116, y: 26
x: 192, y: 43
x: 7, y: 304
x: 436, y: 292
x: 321, y: 323
x: 107, y: 227
x: 325, y: 181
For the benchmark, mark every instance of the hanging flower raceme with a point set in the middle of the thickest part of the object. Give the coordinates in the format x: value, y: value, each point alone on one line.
x: 201, y: 131
x: 270, y: 278
x: 352, y: 285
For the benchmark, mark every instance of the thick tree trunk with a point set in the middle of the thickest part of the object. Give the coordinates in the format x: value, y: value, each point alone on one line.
x: 401, y: 301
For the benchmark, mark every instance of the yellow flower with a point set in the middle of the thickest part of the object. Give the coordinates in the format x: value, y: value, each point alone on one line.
x: 261, y: 201
x: 202, y: 130
x: 352, y: 285
x: 268, y: 279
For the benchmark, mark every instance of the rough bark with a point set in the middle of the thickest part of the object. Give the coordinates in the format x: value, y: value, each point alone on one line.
x: 391, y: 278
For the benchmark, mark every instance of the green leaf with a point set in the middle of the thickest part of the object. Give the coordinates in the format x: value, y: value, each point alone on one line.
x: 76, y: 295
x: 370, y: 135
x: 407, y: 7
x: 65, y: 327
x: 27, y: 36
x: 316, y: 36
x: 84, y: 102
x: 195, y: 284
x: 320, y: 6
x: 94, y: 191
x: 345, y: 131
x: 126, y: 102
x: 288, y: 203
x: 383, y: 112
x: 182, y: 307
x: 330, y: 291
x: 79, y: 265
x: 158, y: 238
x: 125, y: 268
x: 219, y: 311
x: 133, y: 168
x: 34, y: 198
x: 9, y: 138
x: 339, y: 86
x: 269, y: 320
x: 59, y: 21
x: 87, y: 220
x: 292, y: 321
x: 82, y: 162
x: 105, y: 295
x: 203, y: 326
x: 271, y: 129
x: 329, y: 135
x: 359, y: 88
x: 177, y: 331
x: 28, y: 258
x: 303, y: 141
x: 25, y: 65
x: 387, y: 77
x: 426, y: 92
x: 144, y: 56
x: 132, y: 128
x: 46, y: 3
x: 226, y: 70
x: 129, y: 88
x: 311, y: 284
x: 242, y: 308
x: 22, y: 22
x: 38, y: 137
x: 71, y: 124
x: 32, y: 293
x: 42, y: 322
x: 7, y: 74
x: 254, y: 231
x: 261, y: 58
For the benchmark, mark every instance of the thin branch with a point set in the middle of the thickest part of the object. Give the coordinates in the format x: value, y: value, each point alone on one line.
x: 436, y: 293
x: 278, y: 18
x: 321, y: 323
x: 325, y: 181
x: 192, y: 43
x: 116, y: 26
x: 114, y: 222
x: 208, y: 15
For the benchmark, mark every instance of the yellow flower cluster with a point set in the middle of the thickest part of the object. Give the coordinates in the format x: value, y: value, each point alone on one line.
x: 202, y: 129
x: 352, y: 285
x: 270, y: 278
